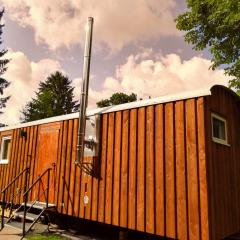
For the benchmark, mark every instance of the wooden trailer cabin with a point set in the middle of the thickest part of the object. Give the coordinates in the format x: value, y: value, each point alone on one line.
x: 168, y: 166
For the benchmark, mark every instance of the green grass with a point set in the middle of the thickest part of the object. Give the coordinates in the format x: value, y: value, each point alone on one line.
x: 49, y: 236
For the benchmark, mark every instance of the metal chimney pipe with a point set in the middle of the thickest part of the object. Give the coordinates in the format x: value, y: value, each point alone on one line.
x: 84, y: 92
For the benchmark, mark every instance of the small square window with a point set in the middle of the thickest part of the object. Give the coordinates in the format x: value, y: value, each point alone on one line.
x: 219, y: 129
x: 5, y: 149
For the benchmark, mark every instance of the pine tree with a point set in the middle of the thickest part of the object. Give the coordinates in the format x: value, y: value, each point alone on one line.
x: 3, y: 67
x: 54, y: 97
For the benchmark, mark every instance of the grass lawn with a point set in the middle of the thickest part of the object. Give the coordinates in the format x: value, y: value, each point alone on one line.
x: 49, y: 236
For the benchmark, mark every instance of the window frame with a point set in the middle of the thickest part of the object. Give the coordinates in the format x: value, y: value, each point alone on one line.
x: 4, y: 138
x: 219, y: 140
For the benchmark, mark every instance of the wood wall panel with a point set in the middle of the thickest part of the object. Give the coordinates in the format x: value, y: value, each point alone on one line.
x: 58, y: 168
x: 223, y: 166
x: 73, y: 201
x: 83, y: 183
x: 202, y: 170
x: 12, y: 164
x: 124, y: 170
x: 150, y: 175
x: 159, y: 171
x: 94, y: 199
x: 170, y: 171
x: 25, y: 164
x: 22, y: 149
x: 32, y: 158
x: 109, y: 170
x: 19, y: 167
x: 181, y: 171
x: 61, y: 172
x: 132, y: 186
x: 141, y: 171
x: 66, y: 183
x: 117, y: 168
x: 19, y: 159
x: 77, y: 191
x: 192, y: 170
x: 29, y: 161
x: 88, y: 192
x: 150, y: 180
x: 101, y: 190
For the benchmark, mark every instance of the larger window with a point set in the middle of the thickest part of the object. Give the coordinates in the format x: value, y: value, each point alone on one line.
x: 219, y: 129
x: 5, y: 149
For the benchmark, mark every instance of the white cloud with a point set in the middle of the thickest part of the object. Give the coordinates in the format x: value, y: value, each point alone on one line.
x: 60, y: 23
x: 24, y: 76
x: 155, y: 76
x: 145, y: 74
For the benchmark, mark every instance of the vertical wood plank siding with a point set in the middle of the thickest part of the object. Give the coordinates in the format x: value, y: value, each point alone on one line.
x: 223, y: 166
x: 22, y: 155
x: 151, y: 173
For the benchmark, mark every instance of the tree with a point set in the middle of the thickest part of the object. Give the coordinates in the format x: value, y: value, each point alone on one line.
x: 117, y: 98
x: 54, y: 98
x: 215, y: 25
x: 3, y: 67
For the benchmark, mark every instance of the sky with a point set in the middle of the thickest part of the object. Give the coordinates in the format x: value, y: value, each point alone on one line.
x: 136, y: 48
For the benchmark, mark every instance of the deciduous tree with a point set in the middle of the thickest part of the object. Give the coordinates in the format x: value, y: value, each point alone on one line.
x: 117, y: 98
x: 215, y: 25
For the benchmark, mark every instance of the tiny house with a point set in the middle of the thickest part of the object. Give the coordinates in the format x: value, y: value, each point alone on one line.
x: 168, y: 166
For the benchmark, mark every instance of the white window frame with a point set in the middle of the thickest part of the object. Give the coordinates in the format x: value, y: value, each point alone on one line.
x: 4, y: 161
x: 219, y: 140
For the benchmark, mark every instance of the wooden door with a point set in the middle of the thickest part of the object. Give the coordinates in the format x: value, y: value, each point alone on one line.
x: 48, y: 139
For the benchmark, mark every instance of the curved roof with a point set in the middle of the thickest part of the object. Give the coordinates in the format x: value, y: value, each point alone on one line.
x: 162, y: 99
x: 234, y: 94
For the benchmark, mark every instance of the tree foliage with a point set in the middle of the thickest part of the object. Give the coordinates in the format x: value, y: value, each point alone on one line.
x: 117, y: 98
x: 54, y: 97
x: 3, y: 67
x: 215, y: 25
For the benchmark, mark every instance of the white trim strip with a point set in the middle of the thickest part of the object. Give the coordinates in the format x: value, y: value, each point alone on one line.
x: 154, y: 101
x: 147, y: 102
x: 4, y: 160
x: 216, y: 139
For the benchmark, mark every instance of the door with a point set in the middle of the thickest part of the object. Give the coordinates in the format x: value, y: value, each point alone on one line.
x: 47, y: 145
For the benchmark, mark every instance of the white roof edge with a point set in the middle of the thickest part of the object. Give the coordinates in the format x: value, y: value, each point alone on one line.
x: 154, y: 101
x: 142, y: 103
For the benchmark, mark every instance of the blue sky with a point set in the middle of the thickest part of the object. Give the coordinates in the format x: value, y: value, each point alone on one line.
x: 136, y: 48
